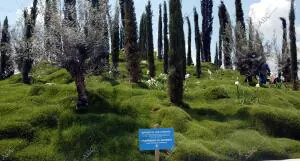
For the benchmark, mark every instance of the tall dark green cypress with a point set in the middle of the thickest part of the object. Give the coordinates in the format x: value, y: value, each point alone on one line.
x: 143, y: 37
x: 150, y: 47
x: 176, y: 77
x: 226, y: 35
x: 6, y: 64
x: 189, y: 54
x: 216, y: 62
x: 115, y: 40
x: 122, y: 32
x: 131, y: 46
x: 166, y: 39
x: 207, y: 27
x: 197, y: 43
x: 240, y: 15
x: 251, y: 35
x: 160, y: 41
x: 30, y: 21
x: 293, y: 46
x: 220, y: 47
x: 284, y: 61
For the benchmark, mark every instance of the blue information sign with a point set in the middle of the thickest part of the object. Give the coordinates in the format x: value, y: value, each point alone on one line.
x: 156, y: 139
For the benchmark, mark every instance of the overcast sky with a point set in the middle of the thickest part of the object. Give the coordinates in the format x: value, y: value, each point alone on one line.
x: 257, y: 9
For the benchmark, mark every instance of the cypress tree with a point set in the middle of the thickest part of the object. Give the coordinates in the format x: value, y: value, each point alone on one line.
x: 143, y: 37
x: 122, y: 32
x: 160, y: 43
x: 207, y: 27
x: 122, y: 37
x: 240, y: 38
x: 251, y: 35
x: 284, y: 62
x: 175, y: 81
x: 166, y: 39
x: 131, y: 47
x: 220, y: 47
x: 115, y: 40
x: 226, y: 35
x: 197, y: 43
x: 293, y: 46
x: 216, y: 62
x: 240, y: 15
x: 47, y: 28
x: 27, y: 62
x: 189, y: 54
x: 52, y: 30
x: 6, y: 64
x: 150, y: 48
x: 285, y: 49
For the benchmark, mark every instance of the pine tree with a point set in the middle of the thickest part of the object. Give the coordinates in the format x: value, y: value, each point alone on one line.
x: 131, y: 46
x: 143, y: 37
x: 207, y: 27
x: 175, y: 81
x: 115, y: 40
x: 293, y: 46
x: 216, y: 62
x: 226, y: 35
x: 189, y: 54
x: 160, y: 41
x: 6, y: 63
x: 150, y: 48
x: 27, y: 61
x: 197, y: 44
x: 166, y: 40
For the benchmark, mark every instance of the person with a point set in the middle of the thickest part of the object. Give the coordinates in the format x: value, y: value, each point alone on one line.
x: 263, y: 73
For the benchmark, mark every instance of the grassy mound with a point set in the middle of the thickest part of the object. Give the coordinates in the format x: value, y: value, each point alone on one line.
x: 223, y: 123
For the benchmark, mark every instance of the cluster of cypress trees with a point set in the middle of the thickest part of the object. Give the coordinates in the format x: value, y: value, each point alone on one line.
x: 171, y: 41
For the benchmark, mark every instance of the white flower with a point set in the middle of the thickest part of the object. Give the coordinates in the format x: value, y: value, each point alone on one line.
x: 282, y: 78
x: 148, y: 72
x: 209, y: 72
x: 50, y: 84
x: 187, y: 76
x: 237, y: 83
x: 257, y: 85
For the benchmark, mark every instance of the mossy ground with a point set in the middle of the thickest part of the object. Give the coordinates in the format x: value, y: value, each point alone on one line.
x: 38, y: 122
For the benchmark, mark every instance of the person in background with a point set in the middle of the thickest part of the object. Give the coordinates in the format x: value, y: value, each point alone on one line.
x: 263, y: 73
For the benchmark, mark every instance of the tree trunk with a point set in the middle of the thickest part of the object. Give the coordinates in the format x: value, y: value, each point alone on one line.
x: 26, y: 70
x: 82, y: 101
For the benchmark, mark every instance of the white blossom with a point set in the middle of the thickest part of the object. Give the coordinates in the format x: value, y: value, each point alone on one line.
x: 237, y: 83
x: 257, y: 85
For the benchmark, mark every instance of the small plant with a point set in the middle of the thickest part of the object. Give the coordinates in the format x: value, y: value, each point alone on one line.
x: 237, y: 83
x: 256, y: 92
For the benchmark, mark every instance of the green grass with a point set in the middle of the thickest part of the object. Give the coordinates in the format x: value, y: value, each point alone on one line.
x: 38, y: 122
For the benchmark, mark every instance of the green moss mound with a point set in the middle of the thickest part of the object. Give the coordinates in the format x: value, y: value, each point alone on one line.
x: 39, y: 121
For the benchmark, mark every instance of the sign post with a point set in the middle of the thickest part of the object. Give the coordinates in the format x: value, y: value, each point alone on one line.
x: 156, y: 139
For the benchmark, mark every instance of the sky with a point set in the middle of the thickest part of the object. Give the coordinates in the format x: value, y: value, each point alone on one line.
x: 257, y: 9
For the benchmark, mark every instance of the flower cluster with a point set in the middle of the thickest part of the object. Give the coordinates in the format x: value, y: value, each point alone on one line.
x: 187, y: 76
x: 152, y: 82
x: 163, y: 76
